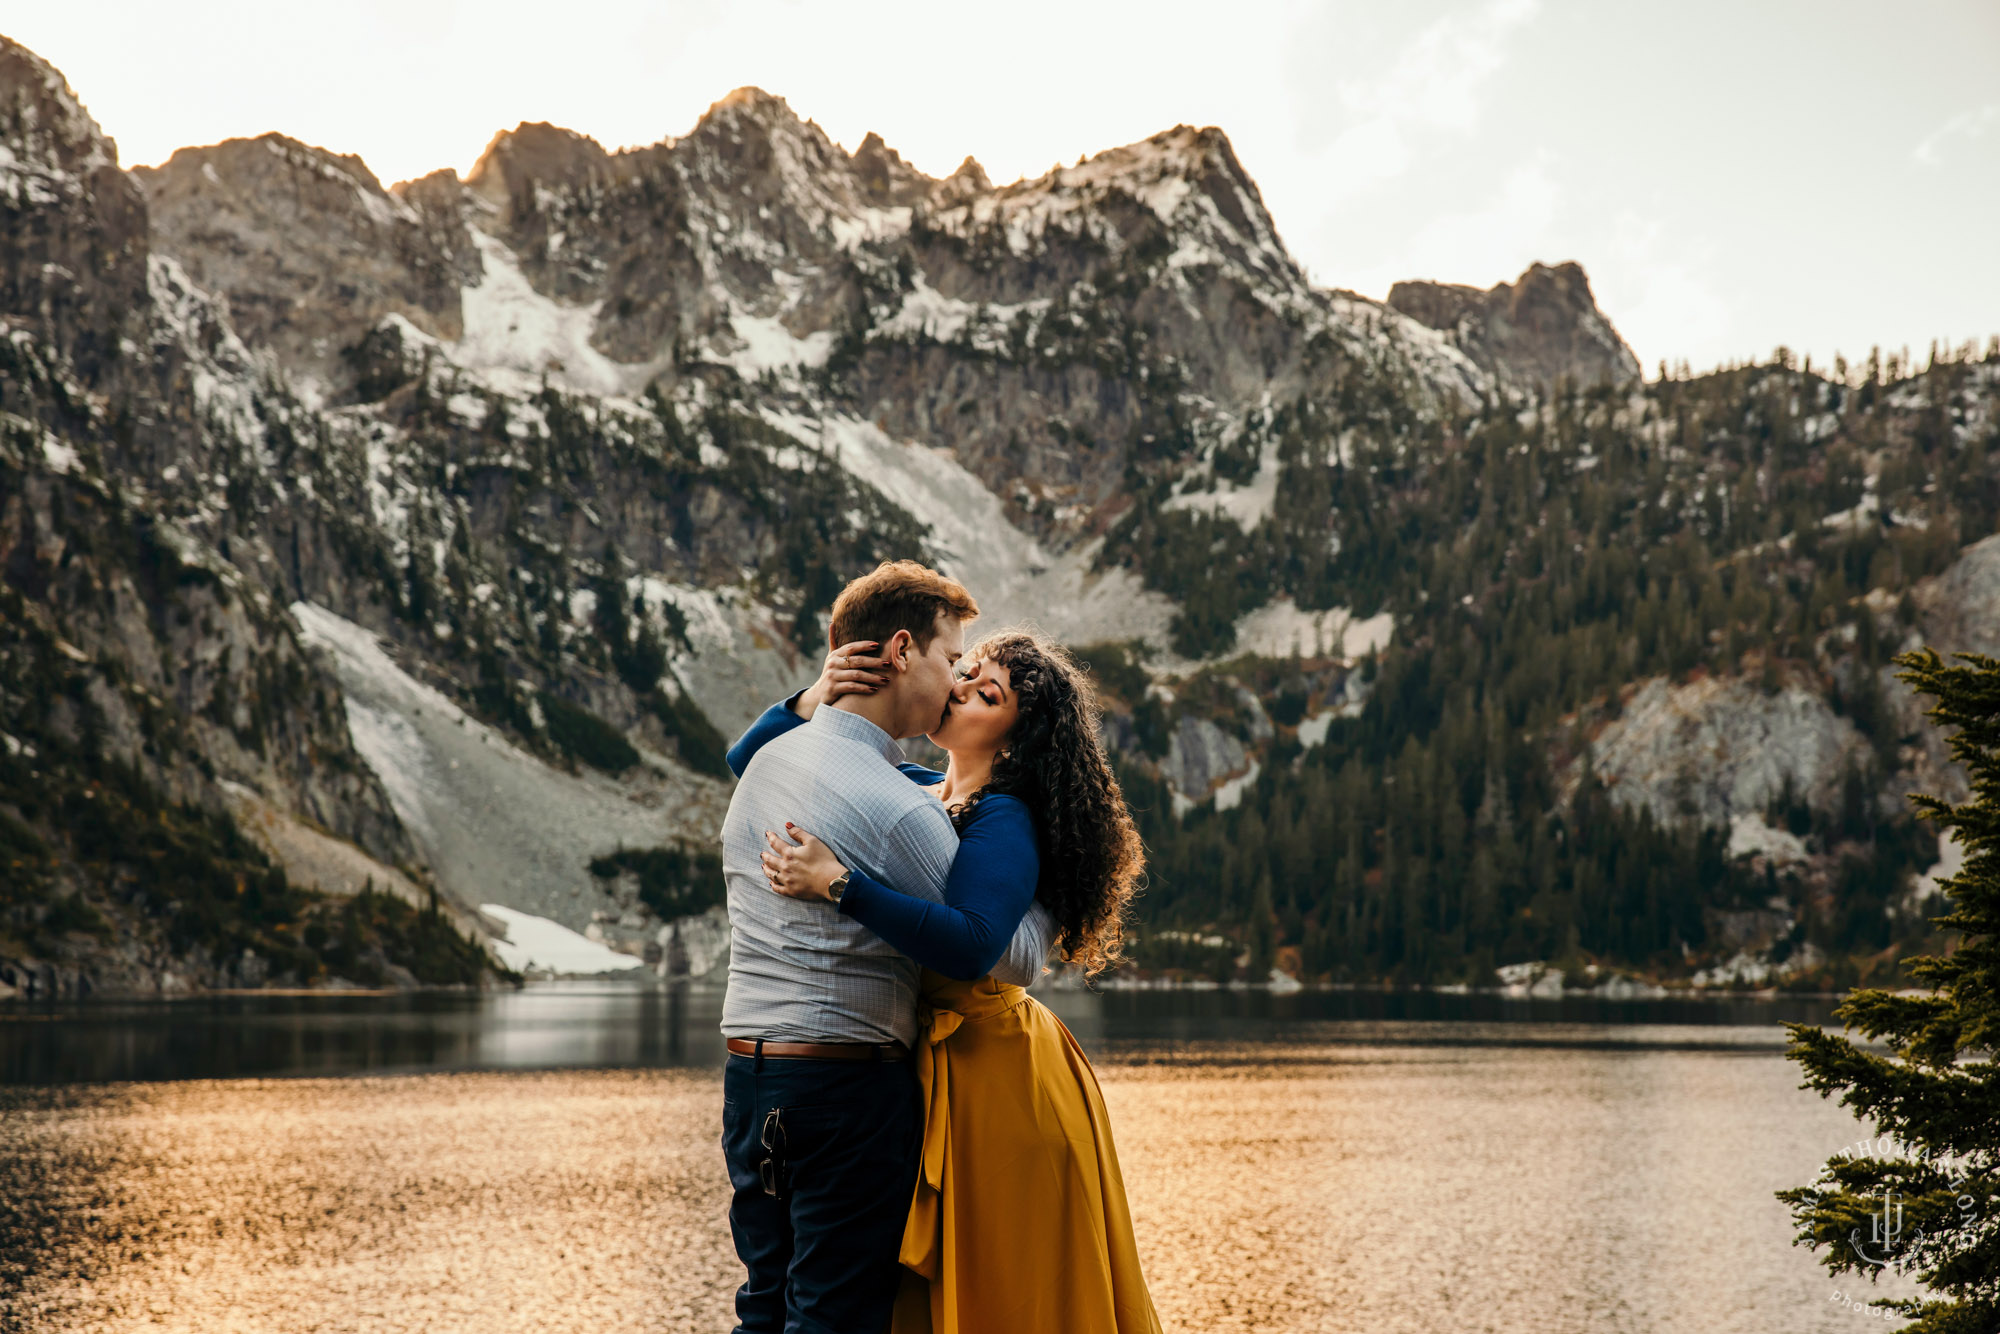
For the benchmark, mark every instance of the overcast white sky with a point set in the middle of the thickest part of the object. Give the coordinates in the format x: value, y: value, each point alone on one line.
x: 1734, y: 174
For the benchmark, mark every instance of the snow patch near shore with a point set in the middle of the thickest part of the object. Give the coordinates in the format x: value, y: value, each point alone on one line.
x: 537, y: 944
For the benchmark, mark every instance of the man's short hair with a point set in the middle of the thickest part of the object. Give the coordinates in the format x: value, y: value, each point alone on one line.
x: 899, y: 595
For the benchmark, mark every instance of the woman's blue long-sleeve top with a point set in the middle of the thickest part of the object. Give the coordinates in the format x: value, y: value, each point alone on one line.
x: 988, y: 891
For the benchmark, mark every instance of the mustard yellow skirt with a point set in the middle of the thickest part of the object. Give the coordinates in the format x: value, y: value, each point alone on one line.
x: 1019, y: 1224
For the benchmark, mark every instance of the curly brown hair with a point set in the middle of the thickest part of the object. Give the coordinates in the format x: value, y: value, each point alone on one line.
x: 1054, y: 761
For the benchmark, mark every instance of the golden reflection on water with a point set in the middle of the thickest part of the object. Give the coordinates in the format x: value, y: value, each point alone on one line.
x: 1374, y: 1189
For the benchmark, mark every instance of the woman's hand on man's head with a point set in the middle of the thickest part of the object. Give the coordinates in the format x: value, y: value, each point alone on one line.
x: 848, y: 670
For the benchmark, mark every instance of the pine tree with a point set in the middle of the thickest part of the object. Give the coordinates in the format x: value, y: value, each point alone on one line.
x: 1935, y: 1100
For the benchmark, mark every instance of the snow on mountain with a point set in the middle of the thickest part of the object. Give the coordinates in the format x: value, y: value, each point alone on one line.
x: 1248, y: 503
x: 1014, y: 577
x: 1282, y: 629
x: 1749, y: 836
x: 515, y: 336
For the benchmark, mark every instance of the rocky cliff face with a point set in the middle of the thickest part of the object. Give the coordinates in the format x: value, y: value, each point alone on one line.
x: 1961, y: 607
x: 74, y: 263
x: 156, y: 627
x: 142, y: 673
x: 1529, y: 334
x: 1712, y: 751
x: 307, y: 246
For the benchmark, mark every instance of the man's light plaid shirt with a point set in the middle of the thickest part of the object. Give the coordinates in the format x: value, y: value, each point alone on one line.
x: 800, y: 970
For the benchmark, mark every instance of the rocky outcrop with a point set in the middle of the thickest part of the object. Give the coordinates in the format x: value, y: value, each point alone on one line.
x: 1712, y: 750
x: 154, y: 627
x: 172, y: 664
x: 73, y: 257
x: 887, y: 181
x: 694, y: 947
x: 307, y: 248
x: 1200, y: 758
x: 1961, y: 607
x: 1540, y: 329
x: 1958, y: 612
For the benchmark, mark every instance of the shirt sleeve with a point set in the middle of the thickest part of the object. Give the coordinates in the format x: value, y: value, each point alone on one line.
x: 987, y: 898
x: 771, y: 724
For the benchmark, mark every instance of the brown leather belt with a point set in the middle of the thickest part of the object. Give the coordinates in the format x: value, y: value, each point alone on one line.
x: 820, y: 1051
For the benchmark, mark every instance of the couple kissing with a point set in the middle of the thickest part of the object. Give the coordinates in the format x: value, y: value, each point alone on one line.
x: 913, y: 1141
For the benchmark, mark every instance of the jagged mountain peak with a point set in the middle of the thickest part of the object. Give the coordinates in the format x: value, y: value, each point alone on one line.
x: 885, y: 178
x: 1187, y: 178
x: 1529, y: 333
x: 533, y: 151
x: 438, y: 191
x: 1172, y: 158
x: 278, y: 227
x: 754, y: 100
x: 763, y: 117
x: 969, y: 179
x: 73, y: 264
x: 753, y: 129
x: 247, y: 162
x: 1184, y: 153
x: 50, y: 131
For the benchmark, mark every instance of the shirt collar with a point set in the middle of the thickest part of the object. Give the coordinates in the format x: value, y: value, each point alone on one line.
x: 856, y: 728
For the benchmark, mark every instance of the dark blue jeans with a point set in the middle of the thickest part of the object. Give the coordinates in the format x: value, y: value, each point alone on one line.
x: 821, y: 1255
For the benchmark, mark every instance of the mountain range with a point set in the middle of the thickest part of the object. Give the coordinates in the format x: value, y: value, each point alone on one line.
x: 372, y: 554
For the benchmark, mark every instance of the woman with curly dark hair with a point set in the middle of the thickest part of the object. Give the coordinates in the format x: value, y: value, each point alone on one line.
x: 1019, y: 1221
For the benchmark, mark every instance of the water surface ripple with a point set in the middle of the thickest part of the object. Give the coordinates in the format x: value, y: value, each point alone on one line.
x: 1301, y: 1172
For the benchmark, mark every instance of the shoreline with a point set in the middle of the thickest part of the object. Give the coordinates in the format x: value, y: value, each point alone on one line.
x: 623, y: 980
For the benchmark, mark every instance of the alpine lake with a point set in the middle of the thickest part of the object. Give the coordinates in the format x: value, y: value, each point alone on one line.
x: 547, y: 1160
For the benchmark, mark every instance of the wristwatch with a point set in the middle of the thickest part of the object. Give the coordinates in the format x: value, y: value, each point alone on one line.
x: 838, y: 886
